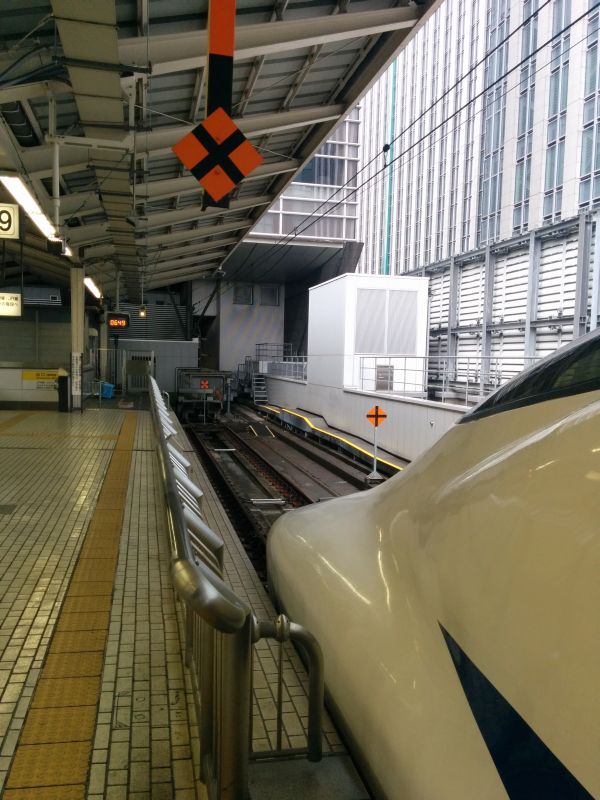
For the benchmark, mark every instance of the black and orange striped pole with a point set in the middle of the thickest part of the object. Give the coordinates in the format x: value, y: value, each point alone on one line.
x: 216, y: 151
x: 221, y: 45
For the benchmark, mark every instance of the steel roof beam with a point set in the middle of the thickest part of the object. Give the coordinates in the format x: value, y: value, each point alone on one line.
x: 189, y: 261
x: 178, y: 276
x: 189, y: 214
x: 194, y: 234
x: 198, y: 247
x: 161, y: 190
x: 38, y: 160
x: 177, y: 52
x: 162, y: 139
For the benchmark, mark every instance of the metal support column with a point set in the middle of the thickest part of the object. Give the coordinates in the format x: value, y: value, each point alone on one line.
x: 77, y: 320
x: 486, y: 319
x: 595, y: 309
x: 453, y: 316
x: 103, y: 344
x: 535, y: 254
x: 583, y: 271
x: 55, y: 163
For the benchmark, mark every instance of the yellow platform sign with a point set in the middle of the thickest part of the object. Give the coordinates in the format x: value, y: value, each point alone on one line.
x: 43, y: 378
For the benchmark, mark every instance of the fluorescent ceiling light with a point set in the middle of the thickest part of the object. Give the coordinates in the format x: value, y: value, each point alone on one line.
x: 29, y: 204
x: 92, y: 287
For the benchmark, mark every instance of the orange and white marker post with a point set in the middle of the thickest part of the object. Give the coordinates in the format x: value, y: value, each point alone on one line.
x: 375, y: 416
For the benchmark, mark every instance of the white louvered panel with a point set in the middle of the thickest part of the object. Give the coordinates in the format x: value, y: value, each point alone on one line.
x: 402, y: 322
x: 439, y: 294
x: 510, y: 287
x: 549, y: 340
x: 468, y: 357
x: 507, y: 356
x: 591, y: 268
x: 556, y: 286
x: 370, y: 321
x: 470, y: 295
x: 438, y: 348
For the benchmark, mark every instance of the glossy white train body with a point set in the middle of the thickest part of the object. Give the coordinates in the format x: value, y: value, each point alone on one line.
x: 493, y: 537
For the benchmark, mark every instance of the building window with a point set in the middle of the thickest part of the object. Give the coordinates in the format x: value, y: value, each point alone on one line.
x: 525, y: 121
x: 557, y: 112
x: 243, y: 294
x: 269, y: 295
x: 494, y: 112
x: 589, y: 187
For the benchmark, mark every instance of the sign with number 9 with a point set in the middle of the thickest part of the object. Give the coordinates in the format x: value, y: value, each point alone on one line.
x: 9, y: 221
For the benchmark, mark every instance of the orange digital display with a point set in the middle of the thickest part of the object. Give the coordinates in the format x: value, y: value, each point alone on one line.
x: 118, y: 321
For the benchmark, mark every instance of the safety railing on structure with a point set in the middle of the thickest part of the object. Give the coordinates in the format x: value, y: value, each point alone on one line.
x: 460, y: 379
x: 221, y: 630
x: 293, y: 368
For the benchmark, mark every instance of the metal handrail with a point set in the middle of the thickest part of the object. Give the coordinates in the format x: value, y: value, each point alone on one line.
x: 218, y: 621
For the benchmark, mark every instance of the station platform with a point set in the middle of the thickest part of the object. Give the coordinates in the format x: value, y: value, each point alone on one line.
x: 95, y: 699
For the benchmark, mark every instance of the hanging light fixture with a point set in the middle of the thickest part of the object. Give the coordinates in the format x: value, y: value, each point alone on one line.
x: 30, y: 206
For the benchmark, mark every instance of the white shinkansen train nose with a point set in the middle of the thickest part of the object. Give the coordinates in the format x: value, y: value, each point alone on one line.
x: 457, y: 604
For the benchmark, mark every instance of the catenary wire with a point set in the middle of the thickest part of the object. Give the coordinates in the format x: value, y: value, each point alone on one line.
x: 292, y: 234
x: 312, y: 219
x: 381, y: 173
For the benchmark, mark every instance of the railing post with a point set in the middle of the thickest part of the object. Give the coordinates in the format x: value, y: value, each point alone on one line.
x: 234, y: 702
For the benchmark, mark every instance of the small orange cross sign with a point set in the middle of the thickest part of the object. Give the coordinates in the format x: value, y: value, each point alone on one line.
x: 376, y: 416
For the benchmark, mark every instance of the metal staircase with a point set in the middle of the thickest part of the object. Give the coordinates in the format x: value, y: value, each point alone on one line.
x: 259, y: 389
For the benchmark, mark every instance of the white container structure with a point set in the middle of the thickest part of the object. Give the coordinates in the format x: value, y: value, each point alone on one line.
x: 369, y: 332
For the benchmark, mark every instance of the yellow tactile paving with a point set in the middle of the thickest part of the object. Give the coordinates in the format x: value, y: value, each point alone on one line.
x: 8, y: 423
x: 79, y: 605
x: 89, y: 588
x: 50, y: 764
x: 79, y: 621
x: 112, y: 498
x: 72, y: 665
x: 46, y: 793
x: 100, y: 569
x: 53, y: 755
x: 47, y: 725
x: 65, y: 692
x: 104, y: 437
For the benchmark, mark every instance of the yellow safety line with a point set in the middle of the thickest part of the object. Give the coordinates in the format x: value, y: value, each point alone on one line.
x: 53, y: 755
x: 332, y: 435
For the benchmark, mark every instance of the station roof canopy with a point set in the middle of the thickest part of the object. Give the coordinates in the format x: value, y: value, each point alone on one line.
x: 127, y: 79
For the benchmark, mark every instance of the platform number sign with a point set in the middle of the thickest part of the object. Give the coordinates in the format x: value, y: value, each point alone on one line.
x: 9, y: 221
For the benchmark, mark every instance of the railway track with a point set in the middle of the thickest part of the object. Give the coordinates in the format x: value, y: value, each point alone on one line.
x: 260, y: 474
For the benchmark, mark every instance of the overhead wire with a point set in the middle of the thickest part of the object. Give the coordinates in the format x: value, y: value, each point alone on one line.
x: 381, y: 173
x: 292, y: 234
x: 311, y: 219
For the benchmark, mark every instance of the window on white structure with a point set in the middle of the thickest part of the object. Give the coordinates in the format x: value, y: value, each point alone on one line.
x: 243, y: 294
x: 269, y: 295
